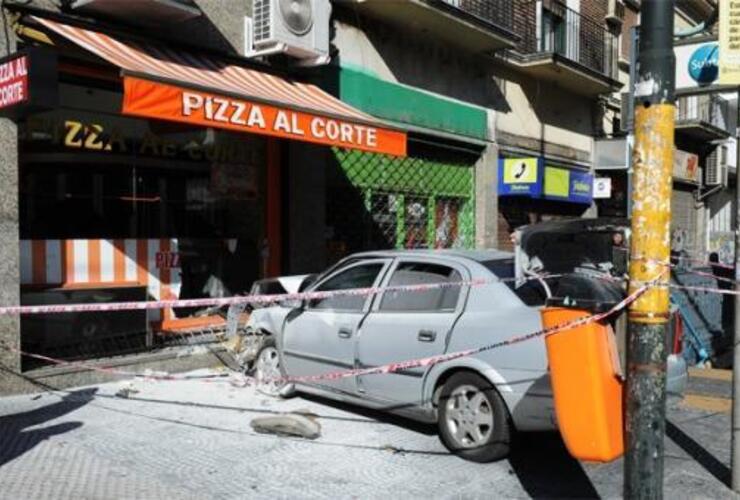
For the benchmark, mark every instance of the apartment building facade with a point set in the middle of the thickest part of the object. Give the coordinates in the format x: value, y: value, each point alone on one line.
x: 482, y: 114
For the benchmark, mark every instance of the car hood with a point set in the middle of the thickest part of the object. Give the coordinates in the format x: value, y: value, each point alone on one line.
x: 562, y: 246
x: 292, y: 284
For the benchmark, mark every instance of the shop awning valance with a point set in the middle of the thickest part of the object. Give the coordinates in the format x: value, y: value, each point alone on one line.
x: 161, y: 82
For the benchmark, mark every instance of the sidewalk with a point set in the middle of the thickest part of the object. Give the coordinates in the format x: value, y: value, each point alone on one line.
x: 179, y: 440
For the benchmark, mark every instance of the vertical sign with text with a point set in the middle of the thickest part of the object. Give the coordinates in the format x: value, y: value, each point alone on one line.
x: 729, y: 42
x: 14, y: 81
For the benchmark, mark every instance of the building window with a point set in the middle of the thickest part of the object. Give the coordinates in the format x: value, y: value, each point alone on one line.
x: 553, y: 36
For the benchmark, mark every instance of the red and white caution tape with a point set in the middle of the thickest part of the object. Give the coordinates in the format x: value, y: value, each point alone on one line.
x: 245, y: 299
x: 227, y: 301
x: 243, y: 380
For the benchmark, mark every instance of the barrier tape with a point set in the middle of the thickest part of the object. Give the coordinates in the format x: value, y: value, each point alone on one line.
x: 250, y: 299
x: 244, y: 380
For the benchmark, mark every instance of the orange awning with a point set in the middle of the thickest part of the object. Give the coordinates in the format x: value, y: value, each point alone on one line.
x: 193, y: 88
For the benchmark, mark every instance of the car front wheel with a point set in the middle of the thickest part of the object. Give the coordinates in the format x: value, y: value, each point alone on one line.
x: 268, y: 372
x: 473, y: 419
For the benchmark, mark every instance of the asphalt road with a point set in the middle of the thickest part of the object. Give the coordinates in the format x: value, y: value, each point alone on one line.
x: 193, y: 440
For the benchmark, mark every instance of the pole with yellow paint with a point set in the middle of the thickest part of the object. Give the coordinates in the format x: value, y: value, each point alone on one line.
x: 650, y: 256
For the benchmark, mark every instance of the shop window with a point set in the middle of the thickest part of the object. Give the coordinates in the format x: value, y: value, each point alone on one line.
x: 384, y: 212
x: 416, y: 220
x: 446, y: 222
x: 96, y: 175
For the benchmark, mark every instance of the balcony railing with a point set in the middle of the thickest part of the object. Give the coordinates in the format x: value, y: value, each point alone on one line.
x: 706, y: 108
x: 498, y: 13
x: 558, y: 30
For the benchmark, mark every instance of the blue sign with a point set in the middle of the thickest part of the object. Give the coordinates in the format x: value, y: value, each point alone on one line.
x: 531, y: 178
x: 581, y: 187
x: 520, y: 177
x: 704, y: 64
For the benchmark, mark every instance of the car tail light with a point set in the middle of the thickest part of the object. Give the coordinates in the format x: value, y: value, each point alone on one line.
x: 677, y: 333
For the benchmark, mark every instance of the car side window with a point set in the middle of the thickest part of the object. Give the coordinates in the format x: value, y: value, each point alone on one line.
x: 418, y: 273
x: 362, y: 276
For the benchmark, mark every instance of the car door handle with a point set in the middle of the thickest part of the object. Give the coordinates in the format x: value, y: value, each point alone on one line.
x: 345, y: 333
x: 427, y: 335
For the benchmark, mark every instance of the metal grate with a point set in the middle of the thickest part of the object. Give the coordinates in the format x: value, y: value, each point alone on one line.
x: 262, y: 17
x: 380, y: 202
x: 556, y: 29
x: 707, y: 108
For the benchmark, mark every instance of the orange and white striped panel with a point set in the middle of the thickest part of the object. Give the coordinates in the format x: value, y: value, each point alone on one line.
x: 153, y: 263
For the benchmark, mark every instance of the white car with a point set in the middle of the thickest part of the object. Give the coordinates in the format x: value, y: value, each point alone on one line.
x: 476, y: 401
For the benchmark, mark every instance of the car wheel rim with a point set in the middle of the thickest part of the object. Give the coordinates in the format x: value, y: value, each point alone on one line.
x: 268, y: 372
x: 469, y: 417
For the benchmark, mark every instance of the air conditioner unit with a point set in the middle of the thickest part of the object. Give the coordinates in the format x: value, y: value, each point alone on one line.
x: 615, y: 13
x: 297, y: 28
x: 716, y: 171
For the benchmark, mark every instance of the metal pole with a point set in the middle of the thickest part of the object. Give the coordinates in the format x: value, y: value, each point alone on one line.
x: 650, y: 255
x: 735, y: 455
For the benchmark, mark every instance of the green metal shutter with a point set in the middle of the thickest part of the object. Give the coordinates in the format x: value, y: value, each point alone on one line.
x: 407, y: 202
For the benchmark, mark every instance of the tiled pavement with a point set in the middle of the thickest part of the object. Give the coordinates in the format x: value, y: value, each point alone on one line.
x: 193, y: 440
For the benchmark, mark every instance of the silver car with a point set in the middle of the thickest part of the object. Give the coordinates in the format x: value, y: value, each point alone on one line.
x: 476, y: 401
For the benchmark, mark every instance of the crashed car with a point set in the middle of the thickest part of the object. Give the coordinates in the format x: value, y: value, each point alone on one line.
x: 251, y: 340
x: 477, y: 401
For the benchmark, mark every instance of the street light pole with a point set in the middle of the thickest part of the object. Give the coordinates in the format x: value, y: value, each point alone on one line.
x: 651, y: 218
x: 735, y: 454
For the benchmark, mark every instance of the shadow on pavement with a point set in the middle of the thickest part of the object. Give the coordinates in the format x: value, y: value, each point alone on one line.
x: 710, y: 463
x: 377, y: 415
x: 546, y: 469
x: 17, y: 439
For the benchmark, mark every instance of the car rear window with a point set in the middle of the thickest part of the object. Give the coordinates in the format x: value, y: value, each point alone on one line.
x: 502, y: 268
x: 436, y: 299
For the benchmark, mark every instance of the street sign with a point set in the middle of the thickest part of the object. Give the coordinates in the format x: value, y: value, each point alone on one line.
x: 697, y: 67
x: 729, y: 43
x: 602, y: 188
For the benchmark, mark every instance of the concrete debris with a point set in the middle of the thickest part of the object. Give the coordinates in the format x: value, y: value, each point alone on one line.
x: 233, y: 344
x: 290, y: 424
x: 126, y: 391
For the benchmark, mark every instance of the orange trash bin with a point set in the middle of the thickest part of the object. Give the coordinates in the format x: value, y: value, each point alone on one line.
x: 587, y: 388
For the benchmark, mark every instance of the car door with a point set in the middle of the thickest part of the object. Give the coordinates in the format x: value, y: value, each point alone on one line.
x: 320, y: 337
x: 405, y: 325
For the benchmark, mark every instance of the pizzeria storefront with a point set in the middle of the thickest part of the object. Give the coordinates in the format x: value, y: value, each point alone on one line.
x: 535, y: 189
x: 147, y: 173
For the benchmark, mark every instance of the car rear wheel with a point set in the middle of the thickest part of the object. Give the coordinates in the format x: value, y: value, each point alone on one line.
x: 473, y: 419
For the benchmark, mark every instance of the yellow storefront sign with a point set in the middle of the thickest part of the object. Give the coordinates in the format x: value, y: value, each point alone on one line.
x: 520, y: 171
x: 557, y: 182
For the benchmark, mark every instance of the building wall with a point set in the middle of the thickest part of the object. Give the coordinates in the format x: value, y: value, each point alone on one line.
x: 413, y: 59
x: 542, y: 117
x: 221, y: 27
x: 9, y: 242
